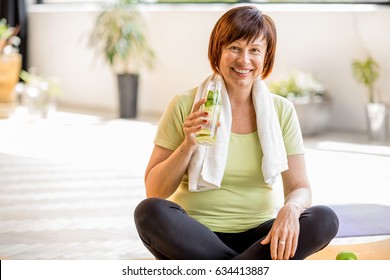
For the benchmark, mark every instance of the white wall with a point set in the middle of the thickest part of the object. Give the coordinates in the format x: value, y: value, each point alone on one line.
x: 323, y: 42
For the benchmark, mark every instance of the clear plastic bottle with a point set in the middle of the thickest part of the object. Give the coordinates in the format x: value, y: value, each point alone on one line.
x: 213, y: 105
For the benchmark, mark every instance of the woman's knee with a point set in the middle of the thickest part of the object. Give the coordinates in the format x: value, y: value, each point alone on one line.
x: 328, y: 218
x: 146, y: 209
x: 324, y: 221
x: 153, y: 210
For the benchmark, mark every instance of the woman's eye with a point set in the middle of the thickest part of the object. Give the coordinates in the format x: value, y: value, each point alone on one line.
x: 256, y: 51
x: 234, y: 48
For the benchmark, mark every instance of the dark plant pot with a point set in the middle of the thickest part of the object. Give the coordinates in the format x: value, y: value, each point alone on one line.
x: 128, y: 95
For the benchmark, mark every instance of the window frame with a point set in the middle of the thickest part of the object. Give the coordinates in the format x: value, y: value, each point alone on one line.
x: 194, y: 2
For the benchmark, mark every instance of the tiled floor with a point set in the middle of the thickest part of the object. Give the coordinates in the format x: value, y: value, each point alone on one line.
x: 69, y: 185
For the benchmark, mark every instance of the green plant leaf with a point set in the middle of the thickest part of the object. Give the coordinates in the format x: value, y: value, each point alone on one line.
x: 119, y: 35
x: 366, y: 72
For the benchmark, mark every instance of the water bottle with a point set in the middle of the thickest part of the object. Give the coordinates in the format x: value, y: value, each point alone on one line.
x: 213, y: 105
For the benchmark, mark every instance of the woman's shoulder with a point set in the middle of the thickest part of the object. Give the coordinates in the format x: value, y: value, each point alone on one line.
x: 182, y: 102
x: 170, y: 129
x: 187, y: 97
x: 281, y: 101
x: 283, y: 106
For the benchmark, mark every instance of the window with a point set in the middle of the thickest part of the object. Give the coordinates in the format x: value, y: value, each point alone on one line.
x: 64, y: 1
x: 387, y: 2
x: 221, y: 1
x: 279, y: 1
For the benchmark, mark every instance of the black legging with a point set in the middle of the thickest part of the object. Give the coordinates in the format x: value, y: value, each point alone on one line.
x: 169, y: 233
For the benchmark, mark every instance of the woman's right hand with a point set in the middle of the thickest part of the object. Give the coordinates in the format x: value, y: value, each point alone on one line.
x: 192, y: 124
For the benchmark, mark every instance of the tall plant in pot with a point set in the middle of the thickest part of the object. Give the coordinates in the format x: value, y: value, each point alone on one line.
x: 366, y: 72
x: 119, y: 34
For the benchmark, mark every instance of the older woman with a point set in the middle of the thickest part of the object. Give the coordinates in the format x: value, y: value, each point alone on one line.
x: 237, y: 219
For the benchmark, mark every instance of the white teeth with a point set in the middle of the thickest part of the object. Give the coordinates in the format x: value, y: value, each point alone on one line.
x: 242, y: 71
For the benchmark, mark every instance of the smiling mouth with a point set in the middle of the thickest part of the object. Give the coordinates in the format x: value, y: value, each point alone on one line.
x: 241, y: 71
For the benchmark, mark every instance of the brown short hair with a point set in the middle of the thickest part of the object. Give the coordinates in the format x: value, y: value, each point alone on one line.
x: 243, y: 23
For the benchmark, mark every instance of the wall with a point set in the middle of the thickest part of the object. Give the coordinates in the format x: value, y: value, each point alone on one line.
x: 317, y: 40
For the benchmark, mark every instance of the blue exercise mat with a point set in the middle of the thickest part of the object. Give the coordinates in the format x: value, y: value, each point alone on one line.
x: 362, y: 219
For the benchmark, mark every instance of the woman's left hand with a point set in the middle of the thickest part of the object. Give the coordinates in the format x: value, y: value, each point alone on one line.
x: 283, y: 236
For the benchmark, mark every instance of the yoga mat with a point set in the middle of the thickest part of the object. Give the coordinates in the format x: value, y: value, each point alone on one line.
x: 362, y: 219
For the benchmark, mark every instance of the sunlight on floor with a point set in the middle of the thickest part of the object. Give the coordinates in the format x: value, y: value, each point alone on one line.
x: 371, y: 149
x: 340, y: 177
x: 80, y: 139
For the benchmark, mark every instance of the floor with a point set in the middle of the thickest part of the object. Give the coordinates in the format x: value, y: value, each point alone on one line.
x: 69, y: 184
x: 374, y: 250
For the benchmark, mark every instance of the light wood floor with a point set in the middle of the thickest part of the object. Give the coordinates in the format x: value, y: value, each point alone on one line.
x: 68, y: 186
x: 377, y: 250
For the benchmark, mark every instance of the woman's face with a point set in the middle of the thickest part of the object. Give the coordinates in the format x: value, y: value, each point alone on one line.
x: 242, y: 63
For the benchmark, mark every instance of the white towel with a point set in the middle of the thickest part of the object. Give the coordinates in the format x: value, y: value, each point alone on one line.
x: 207, y: 165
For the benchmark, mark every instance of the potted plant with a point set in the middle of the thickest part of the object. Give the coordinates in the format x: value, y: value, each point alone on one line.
x: 10, y: 65
x: 366, y: 72
x: 309, y: 99
x: 119, y: 34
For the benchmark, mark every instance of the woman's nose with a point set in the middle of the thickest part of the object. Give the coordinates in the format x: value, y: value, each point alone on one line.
x: 243, y: 57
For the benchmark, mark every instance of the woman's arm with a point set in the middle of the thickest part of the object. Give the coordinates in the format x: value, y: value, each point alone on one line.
x: 297, y: 192
x: 166, y: 167
x: 165, y: 170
